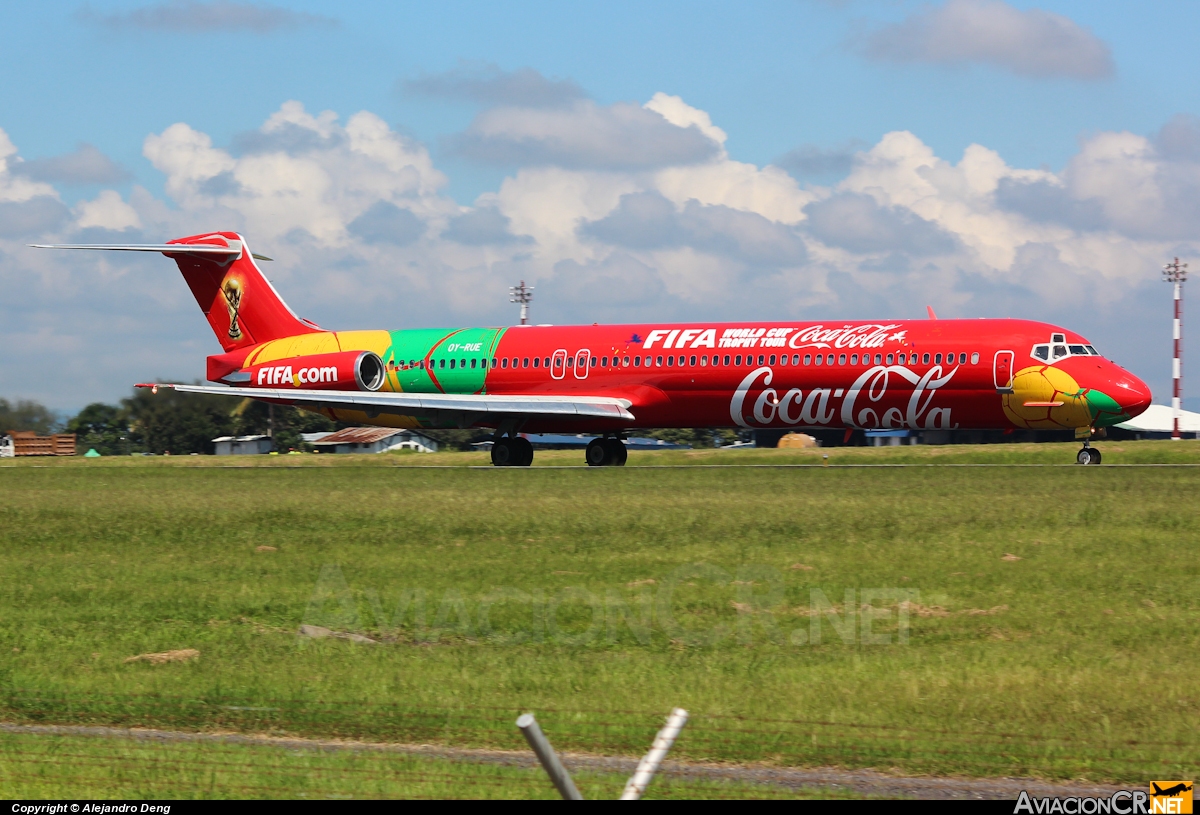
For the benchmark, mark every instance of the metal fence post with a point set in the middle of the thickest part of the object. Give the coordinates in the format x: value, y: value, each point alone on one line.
x: 649, y: 765
x: 545, y: 753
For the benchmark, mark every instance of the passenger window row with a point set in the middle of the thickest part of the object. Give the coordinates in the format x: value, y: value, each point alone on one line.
x: 703, y: 360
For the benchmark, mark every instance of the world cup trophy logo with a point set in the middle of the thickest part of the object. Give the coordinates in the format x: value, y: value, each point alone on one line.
x: 233, y: 301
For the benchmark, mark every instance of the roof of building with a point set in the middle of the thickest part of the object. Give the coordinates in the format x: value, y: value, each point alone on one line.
x: 240, y: 438
x: 1161, y: 419
x: 365, y: 435
x: 315, y: 437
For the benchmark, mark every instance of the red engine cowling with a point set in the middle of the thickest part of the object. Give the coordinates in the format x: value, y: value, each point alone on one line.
x: 343, y: 371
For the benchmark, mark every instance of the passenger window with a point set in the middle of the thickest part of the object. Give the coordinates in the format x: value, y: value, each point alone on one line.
x: 820, y: 359
x: 737, y: 360
x: 594, y: 361
x: 604, y: 361
x: 472, y: 362
x: 452, y: 365
x: 842, y: 359
x: 726, y: 360
x: 692, y: 361
x: 807, y: 359
x: 937, y: 358
x: 525, y: 362
x: 783, y: 359
x: 637, y: 362
x: 890, y: 359
x: 703, y: 360
x: 925, y: 359
x: 536, y: 360
x: 670, y: 359
x: 795, y: 359
x: 772, y: 359
x: 854, y: 359
x: 878, y: 359
x: 504, y: 362
x: 625, y: 362
x: 658, y: 361
x: 1060, y: 351
x: 975, y: 358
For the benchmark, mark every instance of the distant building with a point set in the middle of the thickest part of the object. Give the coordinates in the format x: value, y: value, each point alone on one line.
x: 375, y: 440
x: 242, y: 445
x: 1158, y: 421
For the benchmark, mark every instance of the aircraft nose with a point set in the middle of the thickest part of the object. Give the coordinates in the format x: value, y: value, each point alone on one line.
x: 1131, y: 393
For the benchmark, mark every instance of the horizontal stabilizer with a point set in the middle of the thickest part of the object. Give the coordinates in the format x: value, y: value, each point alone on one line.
x: 433, y: 405
x: 173, y: 248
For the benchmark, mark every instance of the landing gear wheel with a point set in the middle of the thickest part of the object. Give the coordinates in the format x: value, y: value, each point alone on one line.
x: 503, y: 453
x: 598, y: 453
x: 1095, y: 455
x: 1088, y: 456
x: 524, y: 451
x: 617, y: 452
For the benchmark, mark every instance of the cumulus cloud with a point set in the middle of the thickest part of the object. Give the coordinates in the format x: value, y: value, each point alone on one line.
x: 86, y: 165
x: 364, y: 234
x: 484, y: 226
x: 647, y: 220
x: 810, y: 160
x: 384, y: 222
x: 857, y: 222
x: 192, y: 16
x: 306, y: 172
x: 1029, y: 42
x: 584, y: 135
x: 32, y: 217
x: 489, y: 85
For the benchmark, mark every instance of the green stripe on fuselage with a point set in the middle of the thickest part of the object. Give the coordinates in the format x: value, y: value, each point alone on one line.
x: 470, y: 350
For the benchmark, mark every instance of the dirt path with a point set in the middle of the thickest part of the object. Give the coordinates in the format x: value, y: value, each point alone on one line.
x: 867, y: 782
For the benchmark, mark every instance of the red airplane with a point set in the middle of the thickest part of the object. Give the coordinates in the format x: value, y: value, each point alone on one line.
x: 900, y: 374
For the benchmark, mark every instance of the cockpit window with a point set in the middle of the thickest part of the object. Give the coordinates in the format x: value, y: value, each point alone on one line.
x: 1058, y: 348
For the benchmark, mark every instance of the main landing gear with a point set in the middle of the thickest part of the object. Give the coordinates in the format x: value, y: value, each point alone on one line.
x: 513, y: 451
x: 606, y: 453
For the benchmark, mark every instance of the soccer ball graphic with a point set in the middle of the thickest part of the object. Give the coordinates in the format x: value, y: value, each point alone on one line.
x: 1047, y: 398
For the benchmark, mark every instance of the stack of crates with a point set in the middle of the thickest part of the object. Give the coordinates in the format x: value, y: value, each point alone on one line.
x: 29, y: 443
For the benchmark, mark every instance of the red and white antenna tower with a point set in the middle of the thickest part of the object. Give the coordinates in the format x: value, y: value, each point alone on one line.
x: 524, y: 295
x: 1176, y: 272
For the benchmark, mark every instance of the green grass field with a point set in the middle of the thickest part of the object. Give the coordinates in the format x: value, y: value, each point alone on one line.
x: 1036, y: 621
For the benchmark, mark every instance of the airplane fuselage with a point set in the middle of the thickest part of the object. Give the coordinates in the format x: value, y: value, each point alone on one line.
x: 901, y: 374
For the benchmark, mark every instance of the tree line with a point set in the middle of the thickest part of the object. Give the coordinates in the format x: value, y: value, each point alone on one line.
x: 183, y: 423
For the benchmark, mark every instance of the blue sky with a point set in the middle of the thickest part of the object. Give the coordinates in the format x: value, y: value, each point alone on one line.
x: 528, y: 121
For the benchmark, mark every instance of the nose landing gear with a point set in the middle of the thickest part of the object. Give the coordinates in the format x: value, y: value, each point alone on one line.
x: 1088, y: 455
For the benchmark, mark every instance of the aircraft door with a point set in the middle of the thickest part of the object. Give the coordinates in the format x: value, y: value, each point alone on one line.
x: 582, y: 361
x: 558, y: 367
x: 1002, y: 371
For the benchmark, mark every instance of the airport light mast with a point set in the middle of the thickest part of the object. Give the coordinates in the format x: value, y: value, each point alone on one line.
x: 524, y: 295
x: 1176, y: 272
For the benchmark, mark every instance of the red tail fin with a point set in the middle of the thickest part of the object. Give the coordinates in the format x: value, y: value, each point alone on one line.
x: 241, y: 305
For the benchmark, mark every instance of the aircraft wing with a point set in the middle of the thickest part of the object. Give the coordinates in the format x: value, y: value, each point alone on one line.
x: 455, y: 407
